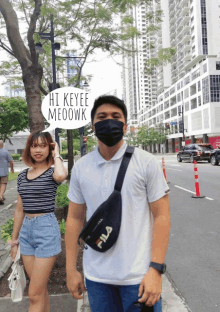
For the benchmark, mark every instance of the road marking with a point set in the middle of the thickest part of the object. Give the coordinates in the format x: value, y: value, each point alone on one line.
x: 182, y: 188
x: 175, y: 165
x: 209, y: 198
x: 174, y: 169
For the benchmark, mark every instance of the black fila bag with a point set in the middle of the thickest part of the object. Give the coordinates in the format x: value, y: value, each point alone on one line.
x: 102, y: 229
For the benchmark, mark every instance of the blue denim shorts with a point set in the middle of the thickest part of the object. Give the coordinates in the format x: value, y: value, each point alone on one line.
x: 108, y: 298
x: 40, y: 236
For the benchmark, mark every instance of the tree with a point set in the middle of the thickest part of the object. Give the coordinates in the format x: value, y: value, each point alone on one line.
x: 13, y: 117
x: 162, y: 133
x: 131, y: 138
x: 89, y: 25
x: 146, y: 136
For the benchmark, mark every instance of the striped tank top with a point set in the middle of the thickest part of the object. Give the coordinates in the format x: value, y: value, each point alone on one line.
x: 38, y: 195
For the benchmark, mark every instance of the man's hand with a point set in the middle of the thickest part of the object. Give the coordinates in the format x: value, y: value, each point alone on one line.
x: 150, y: 288
x: 12, y: 170
x: 75, y: 284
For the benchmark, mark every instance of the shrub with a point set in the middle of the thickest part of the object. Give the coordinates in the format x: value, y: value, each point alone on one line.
x: 62, y: 225
x: 15, y: 156
x: 61, y: 198
x: 7, y: 229
x: 64, y: 154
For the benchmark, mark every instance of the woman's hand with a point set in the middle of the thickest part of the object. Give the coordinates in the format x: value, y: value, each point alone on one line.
x: 56, y: 150
x: 13, y: 253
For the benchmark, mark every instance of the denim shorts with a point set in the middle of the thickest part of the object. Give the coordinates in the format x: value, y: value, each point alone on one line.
x: 40, y: 236
x: 109, y: 298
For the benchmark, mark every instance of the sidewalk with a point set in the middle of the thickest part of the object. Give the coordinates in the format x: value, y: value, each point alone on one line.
x: 64, y: 302
x: 172, y: 301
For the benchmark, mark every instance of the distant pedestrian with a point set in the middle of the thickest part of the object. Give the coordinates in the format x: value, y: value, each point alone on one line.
x: 127, y: 275
x: 5, y: 159
x: 35, y: 225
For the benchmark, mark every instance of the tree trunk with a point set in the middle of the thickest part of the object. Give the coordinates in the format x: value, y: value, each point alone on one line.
x: 70, y: 151
x: 32, y: 80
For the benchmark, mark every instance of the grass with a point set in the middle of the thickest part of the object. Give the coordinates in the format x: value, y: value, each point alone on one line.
x: 12, y: 176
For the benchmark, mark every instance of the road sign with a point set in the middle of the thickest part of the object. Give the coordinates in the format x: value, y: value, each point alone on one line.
x: 173, y: 123
x: 45, y: 35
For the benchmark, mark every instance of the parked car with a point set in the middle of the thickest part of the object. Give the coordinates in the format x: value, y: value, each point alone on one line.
x: 215, y: 156
x: 200, y: 151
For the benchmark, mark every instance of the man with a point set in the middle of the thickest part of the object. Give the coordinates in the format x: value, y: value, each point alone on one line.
x: 5, y: 158
x: 116, y: 278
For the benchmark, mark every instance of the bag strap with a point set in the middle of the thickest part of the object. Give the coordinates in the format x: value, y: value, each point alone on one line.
x: 123, y: 168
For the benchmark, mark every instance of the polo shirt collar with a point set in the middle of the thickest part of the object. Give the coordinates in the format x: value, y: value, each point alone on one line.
x: 118, y: 155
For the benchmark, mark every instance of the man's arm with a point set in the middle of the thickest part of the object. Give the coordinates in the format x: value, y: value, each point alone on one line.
x: 12, y: 166
x: 74, y: 225
x: 151, y: 285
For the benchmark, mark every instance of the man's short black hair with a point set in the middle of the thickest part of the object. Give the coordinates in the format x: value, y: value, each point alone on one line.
x: 109, y: 99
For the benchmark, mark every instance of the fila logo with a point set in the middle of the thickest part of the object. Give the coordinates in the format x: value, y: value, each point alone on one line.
x: 103, y: 237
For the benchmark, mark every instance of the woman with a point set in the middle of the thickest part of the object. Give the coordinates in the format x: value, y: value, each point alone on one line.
x: 34, y: 221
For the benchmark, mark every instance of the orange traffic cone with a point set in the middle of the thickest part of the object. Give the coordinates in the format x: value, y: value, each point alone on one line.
x: 197, y: 189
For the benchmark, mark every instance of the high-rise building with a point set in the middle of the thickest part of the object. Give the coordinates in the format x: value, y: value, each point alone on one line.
x: 191, y: 83
x: 139, y: 88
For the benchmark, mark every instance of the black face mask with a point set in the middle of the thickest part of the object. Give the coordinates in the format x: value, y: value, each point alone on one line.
x: 109, y: 131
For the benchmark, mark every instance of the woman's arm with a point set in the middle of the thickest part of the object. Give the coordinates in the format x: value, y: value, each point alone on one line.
x: 60, y: 172
x: 18, y: 220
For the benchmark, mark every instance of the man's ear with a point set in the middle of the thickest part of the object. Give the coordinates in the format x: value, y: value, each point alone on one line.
x: 93, y: 128
x: 125, y: 128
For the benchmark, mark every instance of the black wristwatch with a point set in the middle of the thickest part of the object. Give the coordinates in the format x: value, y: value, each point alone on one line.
x: 158, y: 266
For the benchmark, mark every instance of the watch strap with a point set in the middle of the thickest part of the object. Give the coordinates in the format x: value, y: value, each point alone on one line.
x: 158, y: 266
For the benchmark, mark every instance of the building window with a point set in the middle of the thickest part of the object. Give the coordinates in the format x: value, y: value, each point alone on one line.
x: 199, y: 86
x: 204, y: 68
x: 178, y: 97
x: 186, y: 106
x: 186, y: 93
x: 166, y: 104
x: 199, y: 101
x: 217, y: 65
x: 215, y: 88
x: 172, y: 90
x: 178, y: 86
x: 166, y: 94
x: 204, y: 27
x: 195, y: 74
x: 205, y: 90
x: 187, y: 80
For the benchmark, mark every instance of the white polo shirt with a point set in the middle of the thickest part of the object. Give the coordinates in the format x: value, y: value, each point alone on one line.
x: 92, y: 181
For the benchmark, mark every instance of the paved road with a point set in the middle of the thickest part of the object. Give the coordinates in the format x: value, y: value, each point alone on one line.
x: 193, y: 253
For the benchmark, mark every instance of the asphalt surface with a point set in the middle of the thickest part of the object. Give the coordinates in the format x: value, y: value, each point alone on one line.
x: 193, y: 253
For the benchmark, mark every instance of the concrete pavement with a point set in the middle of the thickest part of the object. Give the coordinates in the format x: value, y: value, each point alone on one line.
x: 172, y: 299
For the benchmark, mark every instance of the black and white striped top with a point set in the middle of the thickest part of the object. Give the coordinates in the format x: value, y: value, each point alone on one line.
x: 38, y: 195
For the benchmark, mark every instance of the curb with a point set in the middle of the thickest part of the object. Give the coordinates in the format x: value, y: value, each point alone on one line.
x: 6, y: 264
